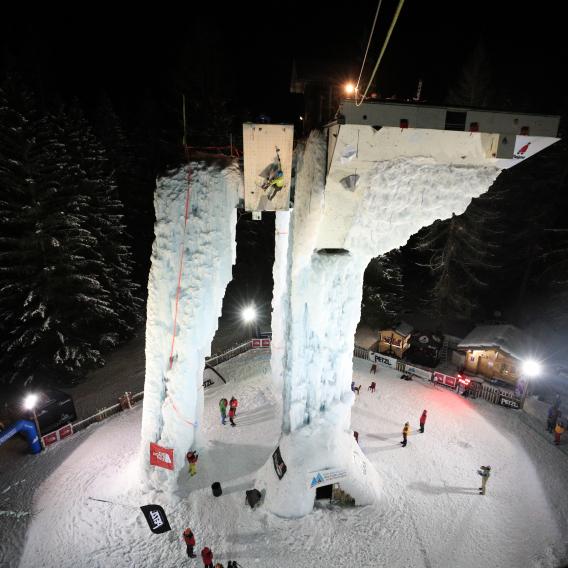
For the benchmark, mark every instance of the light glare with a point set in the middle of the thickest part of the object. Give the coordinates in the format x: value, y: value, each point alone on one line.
x: 30, y: 401
x: 249, y: 314
x: 349, y: 88
x: 531, y: 368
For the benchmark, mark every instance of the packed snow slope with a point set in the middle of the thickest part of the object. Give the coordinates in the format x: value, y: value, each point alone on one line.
x: 431, y: 514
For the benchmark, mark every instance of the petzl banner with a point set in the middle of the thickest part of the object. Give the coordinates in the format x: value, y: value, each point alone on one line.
x: 279, y: 464
x: 156, y: 518
x: 162, y: 457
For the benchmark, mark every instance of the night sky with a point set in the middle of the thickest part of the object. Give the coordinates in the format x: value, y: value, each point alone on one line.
x: 81, y: 51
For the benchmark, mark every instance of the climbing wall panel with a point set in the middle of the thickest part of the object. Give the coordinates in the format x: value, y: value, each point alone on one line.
x: 267, y: 149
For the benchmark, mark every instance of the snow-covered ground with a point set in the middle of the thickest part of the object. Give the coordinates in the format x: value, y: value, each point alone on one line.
x: 431, y: 514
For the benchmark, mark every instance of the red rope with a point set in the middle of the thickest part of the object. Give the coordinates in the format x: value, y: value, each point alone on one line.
x: 180, y: 271
x: 180, y: 414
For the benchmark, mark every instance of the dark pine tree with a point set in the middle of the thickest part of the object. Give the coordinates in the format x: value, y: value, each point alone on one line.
x: 111, y: 257
x: 462, y: 255
x: 474, y: 86
x: 383, y: 290
x: 48, y: 294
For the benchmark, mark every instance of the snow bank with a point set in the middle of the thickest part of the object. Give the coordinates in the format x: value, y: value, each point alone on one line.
x: 173, y: 397
x: 430, y: 515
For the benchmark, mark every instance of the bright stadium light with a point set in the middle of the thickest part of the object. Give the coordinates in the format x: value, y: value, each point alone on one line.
x: 30, y: 401
x: 531, y: 368
x: 349, y: 88
x: 249, y: 314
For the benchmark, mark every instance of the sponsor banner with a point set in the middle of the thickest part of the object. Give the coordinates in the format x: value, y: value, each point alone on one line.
x: 53, y: 437
x: 509, y: 402
x: 327, y: 477
x: 65, y: 431
x: 161, y: 457
x: 383, y: 359
x: 156, y: 518
x: 525, y: 147
x: 49, y: 439
x: 422, y: 373
x: 446, y: 380
x: 279, y: 465
x: 258, y: 343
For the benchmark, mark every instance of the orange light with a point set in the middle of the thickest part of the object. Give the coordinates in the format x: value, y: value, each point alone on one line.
x: 350, y: 88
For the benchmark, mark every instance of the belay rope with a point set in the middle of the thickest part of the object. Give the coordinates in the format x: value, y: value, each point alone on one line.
x: 181, y: 254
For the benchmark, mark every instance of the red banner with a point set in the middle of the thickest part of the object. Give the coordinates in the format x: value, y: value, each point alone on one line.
x: 65, y: 431
x: 49, y: 439
x: 162, y: 457
x: 446, y: 380
x: 53, y: 437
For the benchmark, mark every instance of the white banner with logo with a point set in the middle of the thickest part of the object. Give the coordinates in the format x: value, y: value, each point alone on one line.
x: 383, y: 359
x: 326, y: 477
x: 422, y: 373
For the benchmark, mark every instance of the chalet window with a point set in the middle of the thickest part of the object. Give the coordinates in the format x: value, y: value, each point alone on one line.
x: 455, y: 120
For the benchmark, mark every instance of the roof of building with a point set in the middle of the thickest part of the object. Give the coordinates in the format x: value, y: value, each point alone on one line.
x: 402, y: 328
x: 507, y: 338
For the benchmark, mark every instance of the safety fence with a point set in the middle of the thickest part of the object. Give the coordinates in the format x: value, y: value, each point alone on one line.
x: 460, y: 383
x: 127, y: 400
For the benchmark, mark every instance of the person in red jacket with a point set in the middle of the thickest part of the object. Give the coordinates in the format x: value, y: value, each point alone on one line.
x: 423, y: 420
x: 207, y: 557
x: 189, y: 540
x: 192, y: 458
x: 233, y: 403
x: 232, y: 412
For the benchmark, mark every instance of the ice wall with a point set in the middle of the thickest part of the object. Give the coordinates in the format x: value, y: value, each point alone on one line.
x: 393, y: 199
x: 279, y: 294
x: 173, y: 397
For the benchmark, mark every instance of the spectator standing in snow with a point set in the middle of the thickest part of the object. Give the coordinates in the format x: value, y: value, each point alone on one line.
x: 232, y: 412
x: 233, y: 403
x: 353, y: 386
x: 373, y: 369
x: 356, y: 436
x: 223, y: 409
x: 207, y: 557
x: 372, y: 386
x: 405, y: 431
x: 485, y: 472
x: 189, y: 540
x: 558, y: 431
x: 192, y: 460
x: 423, y: 421
x: 551, y: 419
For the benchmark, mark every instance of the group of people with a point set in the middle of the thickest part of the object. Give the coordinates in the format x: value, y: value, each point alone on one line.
x: 232, y: 404
x: 406, y: 427
x: 192, y: 456
x: 206, y: 552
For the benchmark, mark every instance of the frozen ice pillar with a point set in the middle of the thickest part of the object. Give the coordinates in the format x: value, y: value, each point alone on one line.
x: 198, y: 256
x: 381, y: 188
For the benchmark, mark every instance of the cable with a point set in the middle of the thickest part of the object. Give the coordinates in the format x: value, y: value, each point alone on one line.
x: 393, y: 23
x: 368, y: 45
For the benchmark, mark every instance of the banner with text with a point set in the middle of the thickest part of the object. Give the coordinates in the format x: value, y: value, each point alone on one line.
x: 279, y: 464
x: 156, y: 518
x: 383, y: 359
x: 161, y: 457
x: 446, y: 380
x: 422, y: 373
x: 327, y: 477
